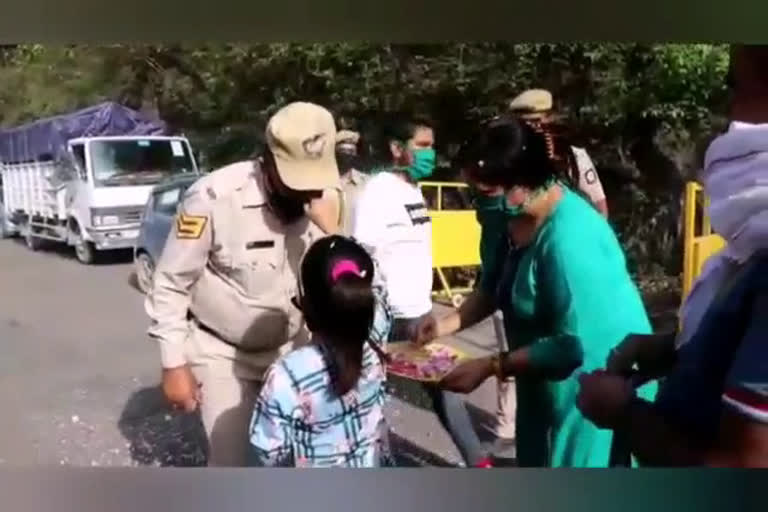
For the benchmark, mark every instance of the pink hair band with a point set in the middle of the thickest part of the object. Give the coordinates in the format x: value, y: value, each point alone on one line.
x: 344, y: 267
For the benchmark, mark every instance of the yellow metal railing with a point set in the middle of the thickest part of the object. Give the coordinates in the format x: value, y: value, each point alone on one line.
x: 698, y: 244
x: 455, y: 239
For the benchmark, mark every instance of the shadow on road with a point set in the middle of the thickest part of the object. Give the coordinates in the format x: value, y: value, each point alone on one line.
x: 133, y: 282
x: 159, y: 436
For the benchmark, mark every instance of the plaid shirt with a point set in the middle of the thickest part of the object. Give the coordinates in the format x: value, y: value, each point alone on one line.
x: 299, y: 421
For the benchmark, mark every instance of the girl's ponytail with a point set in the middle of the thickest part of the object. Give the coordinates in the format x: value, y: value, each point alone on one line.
x: 339, y: 305
x: 352, y: 298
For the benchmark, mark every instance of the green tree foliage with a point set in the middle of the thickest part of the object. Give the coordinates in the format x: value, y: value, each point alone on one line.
x: 643, y: 111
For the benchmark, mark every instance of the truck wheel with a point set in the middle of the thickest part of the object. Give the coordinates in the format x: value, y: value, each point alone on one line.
x: 33, y: 242
x: 85, y: 251
x: 145, y: 268
x: 7, y: 230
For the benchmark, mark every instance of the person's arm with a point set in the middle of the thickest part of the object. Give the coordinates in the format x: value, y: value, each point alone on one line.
x: 480, y: 303
x: 743, y: 434
x: 654, y: 355
x: 367, y: 221
x: 556, y: 355
x: 270, y: 432
x: 382, y: 317
x: 327, y: 211
x: 183, y: 260
x: 477, y: 306
x: 744, y: 425
x: 653, y: 440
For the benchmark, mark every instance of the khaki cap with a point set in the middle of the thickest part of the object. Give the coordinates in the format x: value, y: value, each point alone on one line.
x: 301, y: 136
x: 346, y: 142
x: 533, y: 101
x: 347, y: 137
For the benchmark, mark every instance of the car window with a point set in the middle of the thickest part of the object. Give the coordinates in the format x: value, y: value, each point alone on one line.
x: 167, y: 201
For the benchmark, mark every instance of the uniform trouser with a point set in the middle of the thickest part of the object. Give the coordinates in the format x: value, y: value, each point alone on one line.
x: 226, y: 410
x: 449, y: 407
x: 505, y: 405
x: 229, y: 392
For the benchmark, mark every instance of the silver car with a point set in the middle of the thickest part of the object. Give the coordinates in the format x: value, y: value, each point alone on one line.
x: 156, y: 223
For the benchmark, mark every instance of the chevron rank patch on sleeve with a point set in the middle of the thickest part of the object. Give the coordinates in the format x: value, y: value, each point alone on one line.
x: 190, y: 227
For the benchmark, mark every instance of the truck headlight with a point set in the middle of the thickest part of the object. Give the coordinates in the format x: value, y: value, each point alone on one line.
x: 105, y: 220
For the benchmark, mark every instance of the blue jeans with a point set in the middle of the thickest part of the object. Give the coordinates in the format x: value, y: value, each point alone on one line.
x: 449, y: 407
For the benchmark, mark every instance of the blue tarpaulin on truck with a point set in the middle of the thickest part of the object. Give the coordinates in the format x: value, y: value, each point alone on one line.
x: 47, y: 138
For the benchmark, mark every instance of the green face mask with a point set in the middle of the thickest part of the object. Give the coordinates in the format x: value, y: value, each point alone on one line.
x: 496, y: 204
x: 423, y: 163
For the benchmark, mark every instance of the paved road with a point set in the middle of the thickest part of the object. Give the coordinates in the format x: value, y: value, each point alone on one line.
x: 78, y: 378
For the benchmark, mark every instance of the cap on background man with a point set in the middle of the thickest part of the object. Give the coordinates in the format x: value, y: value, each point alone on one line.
x: 534, y: 103
x: 347, y: 141
x: 537, y: 105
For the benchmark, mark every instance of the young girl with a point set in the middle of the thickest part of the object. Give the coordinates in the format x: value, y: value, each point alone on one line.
x: 321, y: 405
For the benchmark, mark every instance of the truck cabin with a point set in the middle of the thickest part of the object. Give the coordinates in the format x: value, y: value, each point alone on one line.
x: 131, y: 161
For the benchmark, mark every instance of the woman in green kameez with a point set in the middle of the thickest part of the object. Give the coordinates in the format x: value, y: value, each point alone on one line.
x: 555, y: 268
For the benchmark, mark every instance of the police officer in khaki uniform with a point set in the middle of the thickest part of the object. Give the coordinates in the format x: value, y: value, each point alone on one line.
x: 536, y: 105
x: 221, y: 304
x: 352, y: 180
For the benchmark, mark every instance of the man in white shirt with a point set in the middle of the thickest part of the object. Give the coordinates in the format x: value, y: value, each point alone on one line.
x: 391, y: 220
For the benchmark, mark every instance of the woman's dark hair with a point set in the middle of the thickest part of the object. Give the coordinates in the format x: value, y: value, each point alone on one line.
x: 404, y: 128
x: 338, y: 304
x: 508, y: 151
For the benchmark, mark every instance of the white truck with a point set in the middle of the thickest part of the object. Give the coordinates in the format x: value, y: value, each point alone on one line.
x: 88, y: 191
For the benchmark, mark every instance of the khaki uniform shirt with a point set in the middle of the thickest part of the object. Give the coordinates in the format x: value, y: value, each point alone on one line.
x: 589, y: 181
x: 223, y: 286
x: 351, y: 185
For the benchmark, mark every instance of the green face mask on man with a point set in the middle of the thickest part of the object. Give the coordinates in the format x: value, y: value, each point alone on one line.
x: 423, y: 165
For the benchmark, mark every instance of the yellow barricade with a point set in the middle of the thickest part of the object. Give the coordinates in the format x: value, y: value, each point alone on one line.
x: 455, y: 238
x: 699, y: 241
